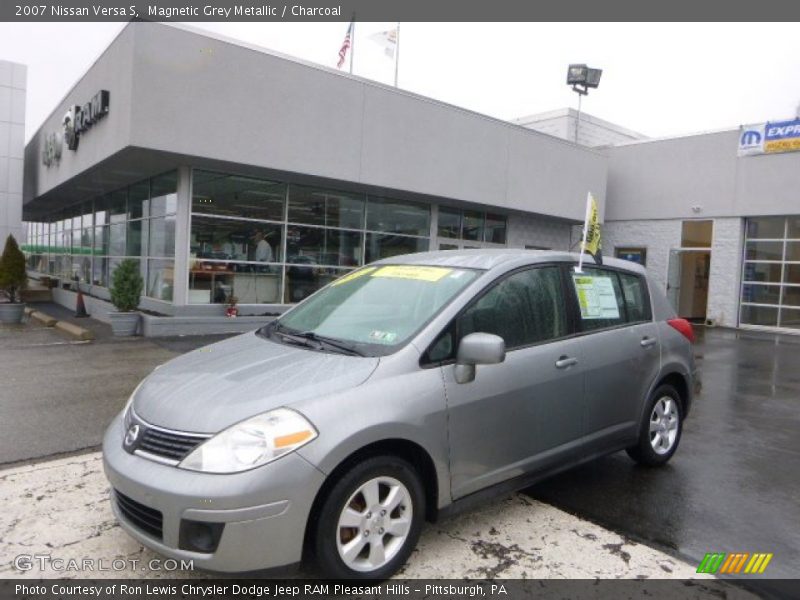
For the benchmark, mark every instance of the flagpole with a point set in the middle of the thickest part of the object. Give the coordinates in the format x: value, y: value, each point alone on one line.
x: 353, y: 44
x: 579, y: 268
x: 397, y: 54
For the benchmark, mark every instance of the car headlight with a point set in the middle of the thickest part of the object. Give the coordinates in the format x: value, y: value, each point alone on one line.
x: 251, y: 443
x: 126, y: 412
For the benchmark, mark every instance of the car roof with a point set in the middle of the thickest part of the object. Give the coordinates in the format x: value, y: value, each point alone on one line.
x: 505, y: 258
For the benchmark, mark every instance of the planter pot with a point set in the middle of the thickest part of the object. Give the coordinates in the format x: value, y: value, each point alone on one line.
x: 124, y: 323
x: 11, y: 313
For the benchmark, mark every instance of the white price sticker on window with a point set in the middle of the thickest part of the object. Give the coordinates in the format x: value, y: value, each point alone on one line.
x: 596, y: 297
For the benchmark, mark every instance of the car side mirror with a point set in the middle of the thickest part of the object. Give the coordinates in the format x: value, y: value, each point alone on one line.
x: 478, y: 349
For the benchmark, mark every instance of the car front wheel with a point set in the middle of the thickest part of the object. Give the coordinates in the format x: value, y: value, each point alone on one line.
x: 370, y: 520
x: 661, y: 429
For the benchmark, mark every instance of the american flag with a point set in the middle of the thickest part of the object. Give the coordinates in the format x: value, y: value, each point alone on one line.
x: 345, y: 45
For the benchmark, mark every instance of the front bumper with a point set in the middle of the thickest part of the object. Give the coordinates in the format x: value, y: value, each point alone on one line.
x: 264, y: 510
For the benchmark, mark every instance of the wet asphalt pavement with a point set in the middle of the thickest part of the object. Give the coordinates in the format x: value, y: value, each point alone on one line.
x: 734, y: 483
x: 58, y: 395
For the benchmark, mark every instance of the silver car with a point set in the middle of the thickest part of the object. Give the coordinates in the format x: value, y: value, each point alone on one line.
x: 399, y: 393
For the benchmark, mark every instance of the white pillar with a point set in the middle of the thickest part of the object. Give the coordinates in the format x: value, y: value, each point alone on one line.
x: 180, y: 293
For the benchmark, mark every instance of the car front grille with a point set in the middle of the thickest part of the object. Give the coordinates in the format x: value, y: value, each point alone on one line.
x: 168, y: 444
x: 144, y: 518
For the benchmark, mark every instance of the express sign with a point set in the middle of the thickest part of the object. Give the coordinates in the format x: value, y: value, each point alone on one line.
x: 770, y: 138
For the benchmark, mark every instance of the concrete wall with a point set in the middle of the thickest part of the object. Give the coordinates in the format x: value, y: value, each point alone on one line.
x: 592, y: 131
x: 699, y: 176
x: 13, y: 78
x: 525, y: 230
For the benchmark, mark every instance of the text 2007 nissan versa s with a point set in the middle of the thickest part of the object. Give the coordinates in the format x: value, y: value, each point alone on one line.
x: 390, y: 396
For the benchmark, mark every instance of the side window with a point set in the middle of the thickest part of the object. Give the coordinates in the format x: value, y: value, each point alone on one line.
x: 636, y: 297
x: 600, y: 299
x: 524, y: 308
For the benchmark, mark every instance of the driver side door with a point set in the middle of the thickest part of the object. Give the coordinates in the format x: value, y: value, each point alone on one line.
x: 524, y: 414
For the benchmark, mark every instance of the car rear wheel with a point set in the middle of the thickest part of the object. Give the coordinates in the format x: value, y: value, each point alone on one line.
x: 370, y: 520
x: 661, y: 429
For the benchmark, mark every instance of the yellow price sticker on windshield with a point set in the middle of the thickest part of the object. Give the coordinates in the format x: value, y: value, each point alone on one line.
x: 353, y: 275
x: 412, y: 272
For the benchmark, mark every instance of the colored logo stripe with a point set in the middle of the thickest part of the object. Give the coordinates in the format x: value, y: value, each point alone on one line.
x: 720, y: 562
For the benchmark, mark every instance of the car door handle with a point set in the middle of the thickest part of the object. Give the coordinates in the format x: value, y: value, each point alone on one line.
x: 566, y: 361
x: 647, y: 342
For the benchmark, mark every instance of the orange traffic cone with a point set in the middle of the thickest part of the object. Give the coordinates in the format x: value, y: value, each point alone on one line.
x: 80, y: 309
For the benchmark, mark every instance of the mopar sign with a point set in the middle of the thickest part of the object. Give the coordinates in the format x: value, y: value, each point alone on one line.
x: 769, y: 138
x: 76, y: 121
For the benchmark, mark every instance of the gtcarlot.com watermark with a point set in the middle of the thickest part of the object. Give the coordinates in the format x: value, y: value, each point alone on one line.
x: 48, y: 562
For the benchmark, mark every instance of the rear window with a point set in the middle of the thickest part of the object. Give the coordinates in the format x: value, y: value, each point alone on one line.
x: 637, y: 299
x: 610, y: 298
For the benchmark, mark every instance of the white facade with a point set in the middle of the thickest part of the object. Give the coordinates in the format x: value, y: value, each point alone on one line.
x: 591, y: 131
x: 12, y: 148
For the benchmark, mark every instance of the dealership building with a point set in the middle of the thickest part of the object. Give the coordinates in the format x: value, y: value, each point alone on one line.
x: 229, y: 172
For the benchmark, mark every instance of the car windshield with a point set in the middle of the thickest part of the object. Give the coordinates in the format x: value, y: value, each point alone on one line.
x: 373, y: 308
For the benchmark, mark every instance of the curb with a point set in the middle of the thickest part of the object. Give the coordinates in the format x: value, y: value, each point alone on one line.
x: 74, y: 331
x: 43, y: 318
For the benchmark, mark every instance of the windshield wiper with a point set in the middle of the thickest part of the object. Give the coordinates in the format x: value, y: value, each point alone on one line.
x: 330, y: 342
x: 302, y: 338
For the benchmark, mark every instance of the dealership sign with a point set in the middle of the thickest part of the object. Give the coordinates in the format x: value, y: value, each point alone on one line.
x: 77, y: 121
x: 772, y: 137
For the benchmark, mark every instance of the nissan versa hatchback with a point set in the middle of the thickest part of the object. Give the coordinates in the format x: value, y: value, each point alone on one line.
x: 396, y: 394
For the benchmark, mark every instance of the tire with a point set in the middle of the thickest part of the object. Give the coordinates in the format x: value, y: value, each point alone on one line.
x: 354, y: 552
x: 656, y: 447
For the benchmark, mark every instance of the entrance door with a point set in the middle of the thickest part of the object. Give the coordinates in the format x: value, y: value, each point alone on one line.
x: 687, y: 282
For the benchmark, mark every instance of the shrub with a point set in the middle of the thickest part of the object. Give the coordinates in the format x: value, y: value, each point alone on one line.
x: 126, y: 285
x: 13, y: 277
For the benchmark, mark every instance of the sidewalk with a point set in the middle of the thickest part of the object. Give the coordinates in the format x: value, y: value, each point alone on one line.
x: 61, y: 508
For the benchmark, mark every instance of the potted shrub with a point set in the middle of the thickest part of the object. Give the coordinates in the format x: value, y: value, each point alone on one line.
x: 126, y: 287
x: 13, y: 279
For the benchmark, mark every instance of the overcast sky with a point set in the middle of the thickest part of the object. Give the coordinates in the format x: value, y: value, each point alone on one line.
x: 659, y: 79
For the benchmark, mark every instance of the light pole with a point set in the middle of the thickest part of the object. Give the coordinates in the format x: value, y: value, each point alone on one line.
x: 581, y: 78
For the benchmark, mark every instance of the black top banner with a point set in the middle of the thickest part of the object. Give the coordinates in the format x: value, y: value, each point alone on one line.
x: 401, y: 10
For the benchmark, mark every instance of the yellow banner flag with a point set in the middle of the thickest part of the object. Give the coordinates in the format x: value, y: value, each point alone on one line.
x: 592, y: 241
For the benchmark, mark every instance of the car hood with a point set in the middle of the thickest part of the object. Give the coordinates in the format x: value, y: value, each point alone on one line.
x: 213, y: 387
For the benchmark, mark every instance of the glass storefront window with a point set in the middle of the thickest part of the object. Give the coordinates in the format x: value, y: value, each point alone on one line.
x: 760, y: 315
x: 160, y: 279
x: 317, y: 206
x: 763, y: 250
x: 495, y: 228
x: 761, y: 294
x: 473, y: 225
x: 793, y: 228
x: 395, y: 216
x: 773, y: 243
x: 449, y: 223
x: 384, y: 246
x: 116, y: 239
x: 323, y: 246
x: 790, y: 318
x: 237, y: 196
x: 230, y: 239
x: 791, y: 295
x: 138, y: 195
x: 162, y: 236
x: 212, y: 282
x: 754, y: 271
x: 302, y: 281
x: 133, y: 238
x: 765, y: 228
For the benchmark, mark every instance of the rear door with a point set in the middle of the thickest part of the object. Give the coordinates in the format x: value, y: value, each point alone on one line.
x: 524, y: 414
x: 620, y: 343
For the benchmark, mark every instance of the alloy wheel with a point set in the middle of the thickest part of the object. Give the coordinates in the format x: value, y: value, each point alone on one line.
x: 664, y: 423
x: 374, y: 524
